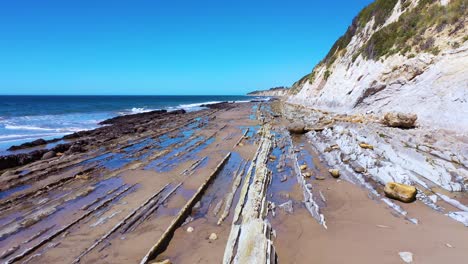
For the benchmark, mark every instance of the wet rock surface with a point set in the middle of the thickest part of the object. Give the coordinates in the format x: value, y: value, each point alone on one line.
x: 83, y: 141
x: 274, y: 198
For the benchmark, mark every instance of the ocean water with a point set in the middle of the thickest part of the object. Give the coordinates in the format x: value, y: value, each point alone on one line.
x: 26, y: 118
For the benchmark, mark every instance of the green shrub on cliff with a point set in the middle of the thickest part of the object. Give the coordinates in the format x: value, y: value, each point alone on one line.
x: 380, y: 10
x: 407, y: 32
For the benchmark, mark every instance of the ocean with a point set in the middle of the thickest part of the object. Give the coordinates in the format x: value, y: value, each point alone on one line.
x: 26, y: 118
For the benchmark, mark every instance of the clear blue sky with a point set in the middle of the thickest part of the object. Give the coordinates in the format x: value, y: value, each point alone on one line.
x: 164, y: 46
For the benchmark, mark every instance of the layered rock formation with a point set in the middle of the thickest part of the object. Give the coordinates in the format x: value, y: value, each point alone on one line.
x: 276, y: 92
x: 405, y: 55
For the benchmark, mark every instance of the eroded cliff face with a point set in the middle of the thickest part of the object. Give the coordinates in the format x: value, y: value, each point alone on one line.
x: 413, y: 58
x: 275, y: 92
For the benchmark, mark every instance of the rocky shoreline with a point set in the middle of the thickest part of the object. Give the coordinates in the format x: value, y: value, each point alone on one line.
x: 262, y: 182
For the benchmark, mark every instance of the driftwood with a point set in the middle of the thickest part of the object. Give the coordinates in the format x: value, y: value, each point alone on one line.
x: 161, y: 245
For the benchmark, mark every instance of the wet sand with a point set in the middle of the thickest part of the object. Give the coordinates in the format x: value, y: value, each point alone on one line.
x: 112, y: 201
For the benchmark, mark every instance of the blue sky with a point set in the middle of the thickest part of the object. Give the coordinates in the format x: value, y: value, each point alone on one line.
x: 164, y: 46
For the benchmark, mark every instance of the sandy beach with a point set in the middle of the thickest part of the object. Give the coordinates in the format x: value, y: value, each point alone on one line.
x: 225, y: 184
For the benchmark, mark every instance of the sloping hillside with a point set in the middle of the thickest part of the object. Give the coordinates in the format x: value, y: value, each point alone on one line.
x: 397, y: 55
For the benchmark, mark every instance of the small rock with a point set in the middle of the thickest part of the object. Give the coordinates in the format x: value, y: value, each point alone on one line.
x: 48, y: 155
x: 307, y: 174
x: 284, y: 178
x: 197, y: 206
x: 401, y: 192
x: 319, y: 177
x: 366, y: 146
x: 448, y: 245
x: 331, y: 148
x: 287, y: 207
x: 82, y: 177
x: 334, y: 172
x: 303, y: 167
x: 407, y: 257
x: 345, y: 158
x: 272, y: 157
x: 400, y: 120
x: 213, y: 236
x: 356, y: 167
x: 296, y: 128
x: 189, y: 229
x: 241, y: 144
x: 309, y: 186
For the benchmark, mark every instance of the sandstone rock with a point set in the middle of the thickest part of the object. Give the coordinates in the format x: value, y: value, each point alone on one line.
x: 366, y: 146
x: 400, y: 120
x: 296, y: 128
x: 303, y: 167
x: 48, y: 155
x: 82, y: 177
x: 307, y: 174
x: 334, y: 172
x: 213, y: 236
x: 272, y: 157
x: 401, y: 192
x: 331, y: 148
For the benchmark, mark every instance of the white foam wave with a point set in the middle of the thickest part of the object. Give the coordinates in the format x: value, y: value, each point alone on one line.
x: 24, y: 127
x: 16, y: 137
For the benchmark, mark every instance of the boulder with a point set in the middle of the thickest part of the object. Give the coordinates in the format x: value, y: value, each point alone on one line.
x: 48, y: 155
x: 400, y: 120
x: 400, y: 192
x: 334, y: 172
x: 296, y: 128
